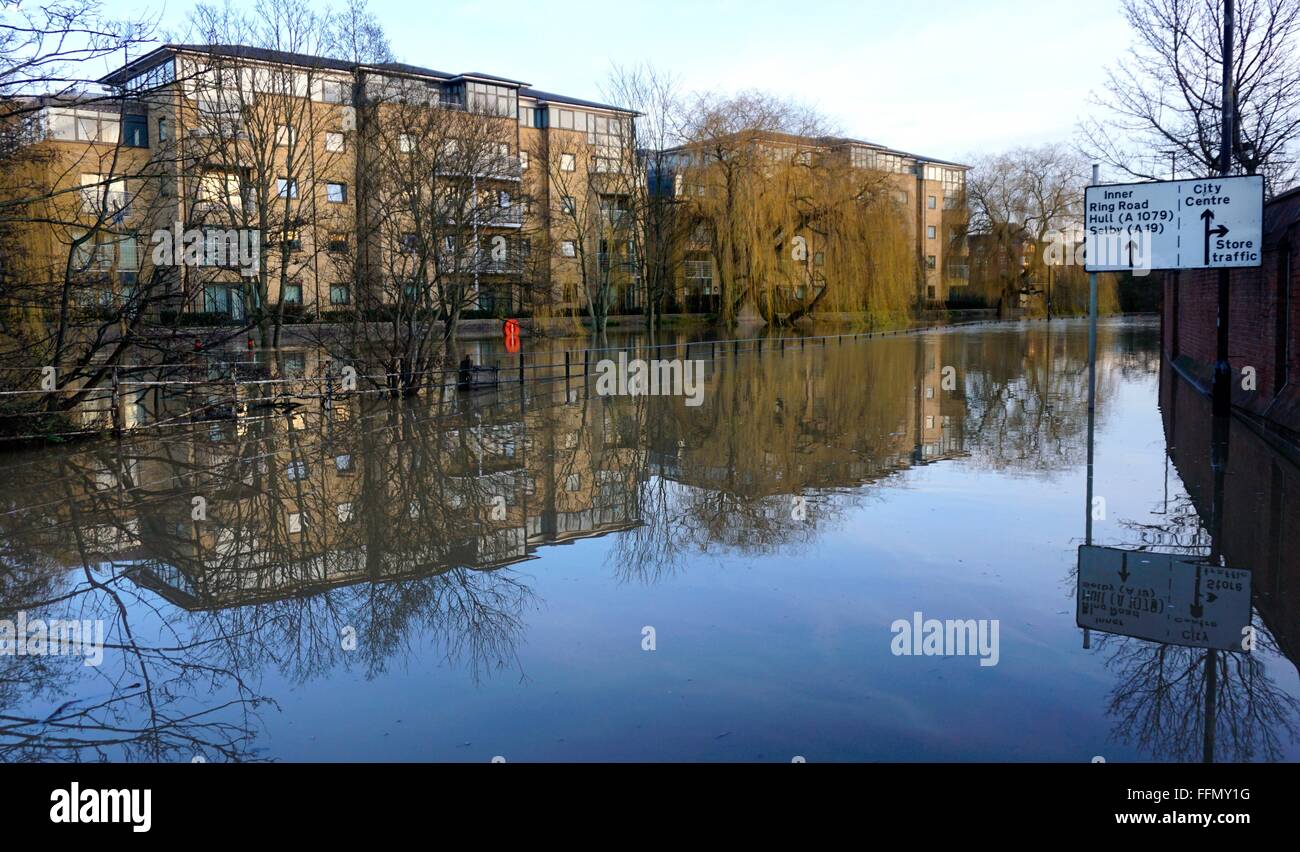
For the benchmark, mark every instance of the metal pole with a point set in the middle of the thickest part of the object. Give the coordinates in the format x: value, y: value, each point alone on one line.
x: 1092, y: 376
x: 1222, y: 370
x: 1092, y: 399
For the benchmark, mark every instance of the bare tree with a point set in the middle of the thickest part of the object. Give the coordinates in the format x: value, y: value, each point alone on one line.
x: 1164, y: 102
x: 257, y: 158
x: 1020, y: 201
x: 441, y: 216
x: 657, y: 224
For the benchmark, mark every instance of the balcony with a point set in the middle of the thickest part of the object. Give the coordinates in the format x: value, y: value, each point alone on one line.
x: 500, y: 267
x: 505, y: 168
x: 511, y: 216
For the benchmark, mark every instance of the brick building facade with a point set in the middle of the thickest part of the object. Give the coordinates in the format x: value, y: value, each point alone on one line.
x: 1264, y: 318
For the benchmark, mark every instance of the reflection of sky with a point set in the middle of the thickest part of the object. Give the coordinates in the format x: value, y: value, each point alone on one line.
x: 764, y: 657
x: 774, y: 656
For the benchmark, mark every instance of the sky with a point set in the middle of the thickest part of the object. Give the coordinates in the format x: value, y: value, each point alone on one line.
x: 951, y: 79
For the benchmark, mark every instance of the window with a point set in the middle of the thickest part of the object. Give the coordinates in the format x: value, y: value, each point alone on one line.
x: 285, y: 135
x: 573, y: 482
x: 929, y: 292
x: 163, y: 132
x: 286, y: 187
x: 83, y: 126
x: 219, y: 188
x: 336, y: 92
x: 523, y: 160
x: 503, y: 199
x: 293, y: 239
x: 295, y: 522
x: 338, y: 294
x: 567, y: 162
x: 404, y: 143
x: 409, y: 243
x: 344, y: 511
x: 135, y: 129
x: 930, y: 231
x: 336, y: 193
x: 568, y: 249
x: 699, y: 275
x: 100, y: 194
x: 293, y: 293
x: 337, y: 243
x: 929, y: 261
x: 488, y: 99
x: 567, y: 119
x: 334, y: 142
x: 568, y: 205
x: 931, y: 202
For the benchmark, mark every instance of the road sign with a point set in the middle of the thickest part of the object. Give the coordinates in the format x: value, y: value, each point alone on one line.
x: 1213, y: 223
x: 1162, y: 597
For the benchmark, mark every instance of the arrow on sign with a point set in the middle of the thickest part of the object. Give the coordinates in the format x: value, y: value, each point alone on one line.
x: 1123, y: 569
x: 1208, y: 217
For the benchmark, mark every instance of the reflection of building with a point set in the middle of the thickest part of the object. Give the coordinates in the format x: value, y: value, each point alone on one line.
x: 1261, y: 490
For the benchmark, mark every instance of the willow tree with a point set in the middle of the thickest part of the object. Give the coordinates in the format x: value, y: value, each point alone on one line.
x: 793, y: 225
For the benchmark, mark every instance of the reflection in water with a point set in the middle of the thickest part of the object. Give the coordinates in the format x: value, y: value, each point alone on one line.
x: 312, y: 540
x: 1182, y: 703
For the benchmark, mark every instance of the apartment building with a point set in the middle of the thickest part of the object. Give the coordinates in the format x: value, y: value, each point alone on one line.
x: 929, y: 198
x: 355, y: 185
x: 357, y: 188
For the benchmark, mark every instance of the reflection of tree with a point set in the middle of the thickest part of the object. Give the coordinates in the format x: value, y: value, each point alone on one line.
x: 150, y: 700
x: 400, y: 521
x: 1028, y: 394
x: 1159, y: 701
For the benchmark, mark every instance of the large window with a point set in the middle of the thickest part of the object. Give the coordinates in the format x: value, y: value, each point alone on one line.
x: 159, y: 75
x: 336, y: 92
x: 80, y: 125
x: 867, y: 158
x: 699, y: 275
x: 102, y: 194
x: 610, y: 134
x: 488, y: 99
x: 219, y: 188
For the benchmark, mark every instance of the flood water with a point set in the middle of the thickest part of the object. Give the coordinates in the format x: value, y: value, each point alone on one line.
x: 577, y: 577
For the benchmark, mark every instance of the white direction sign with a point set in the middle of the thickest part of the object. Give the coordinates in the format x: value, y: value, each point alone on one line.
x: 1214, y: 223
x: 1162, y: 598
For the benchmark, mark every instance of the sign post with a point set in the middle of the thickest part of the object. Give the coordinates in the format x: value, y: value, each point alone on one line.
x: 1208, y: 223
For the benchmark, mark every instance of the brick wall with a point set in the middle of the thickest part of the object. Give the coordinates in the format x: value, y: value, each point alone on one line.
x: 1264, y: 319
